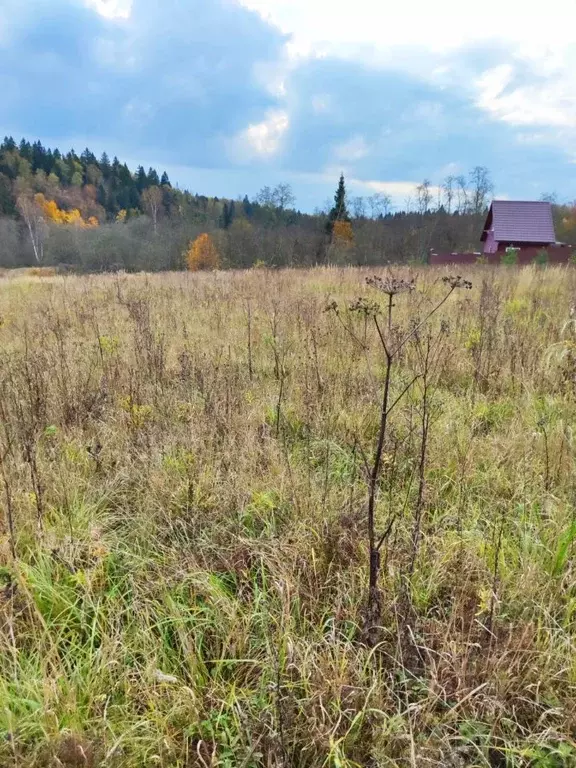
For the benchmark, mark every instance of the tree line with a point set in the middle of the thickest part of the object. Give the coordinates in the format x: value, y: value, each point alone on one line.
x: 95, y: 214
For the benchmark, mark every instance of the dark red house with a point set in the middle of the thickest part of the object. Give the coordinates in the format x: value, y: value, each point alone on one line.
x: 514, y: 223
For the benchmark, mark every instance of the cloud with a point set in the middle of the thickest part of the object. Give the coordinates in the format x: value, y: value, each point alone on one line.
x: 174, y: 79
x: 112, y: 9
x: 373, y: 26
x: 263, y: 91
x: 544, y: 102
x: 432, y: 42
x: 261, y: 140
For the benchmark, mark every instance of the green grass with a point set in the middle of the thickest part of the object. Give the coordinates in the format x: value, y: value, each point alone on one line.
x: 191, y: 557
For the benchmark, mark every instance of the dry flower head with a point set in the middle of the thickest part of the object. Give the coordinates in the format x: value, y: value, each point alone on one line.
x: 391, y: 286
x: 457, y: 281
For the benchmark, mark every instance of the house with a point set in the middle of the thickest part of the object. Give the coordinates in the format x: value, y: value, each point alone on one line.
x: 514, y: 223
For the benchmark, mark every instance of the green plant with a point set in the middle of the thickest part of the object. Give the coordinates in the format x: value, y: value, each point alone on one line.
x: 510, y: 256
x: 541, y: 257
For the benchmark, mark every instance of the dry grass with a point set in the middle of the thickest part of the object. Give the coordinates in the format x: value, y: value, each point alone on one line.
x: 182, y: 467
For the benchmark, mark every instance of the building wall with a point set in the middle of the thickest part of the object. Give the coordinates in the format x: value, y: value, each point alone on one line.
x: 490, y: 245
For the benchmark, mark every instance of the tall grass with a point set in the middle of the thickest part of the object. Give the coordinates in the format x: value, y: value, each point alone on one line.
x: 183, y: 558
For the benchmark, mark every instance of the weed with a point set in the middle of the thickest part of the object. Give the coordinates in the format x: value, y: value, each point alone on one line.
x: 186, y: 463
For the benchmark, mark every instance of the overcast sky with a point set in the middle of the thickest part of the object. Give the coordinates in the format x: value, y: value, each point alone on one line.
x: 229, y: 95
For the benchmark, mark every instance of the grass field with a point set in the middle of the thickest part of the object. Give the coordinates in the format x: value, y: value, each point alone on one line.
x: 184, y: 480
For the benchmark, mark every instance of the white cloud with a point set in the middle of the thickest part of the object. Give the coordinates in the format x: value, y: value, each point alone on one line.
x: 492, y: 82
x: 111, y: 9
x: 551, y: 102
x: 424, y: 40
x: 432, y: 26
x: 260, y: 140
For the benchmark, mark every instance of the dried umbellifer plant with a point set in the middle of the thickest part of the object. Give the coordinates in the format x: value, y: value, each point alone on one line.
x: 391, y: 345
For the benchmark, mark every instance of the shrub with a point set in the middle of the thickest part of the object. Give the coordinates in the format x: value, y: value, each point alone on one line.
x: 541, y: 257
x: 510, y: 256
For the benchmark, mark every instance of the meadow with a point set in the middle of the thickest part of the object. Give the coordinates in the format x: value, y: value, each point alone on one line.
x: 187, y: 466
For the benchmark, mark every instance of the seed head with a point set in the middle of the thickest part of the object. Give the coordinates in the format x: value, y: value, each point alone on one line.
x: 365, y: 307
x: 391, y: 285
x: 457, y: 281
x: 331, y: 307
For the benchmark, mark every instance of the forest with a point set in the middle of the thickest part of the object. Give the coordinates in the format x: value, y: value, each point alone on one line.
x: 89, y: 214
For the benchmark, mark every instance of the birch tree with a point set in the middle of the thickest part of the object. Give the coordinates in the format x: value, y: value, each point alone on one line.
x: 37, y: 228
x: 152, y: 201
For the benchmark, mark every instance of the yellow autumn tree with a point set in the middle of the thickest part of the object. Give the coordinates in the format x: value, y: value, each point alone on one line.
x: 202, y: 254
x: 342, y: 233
x: 56, y: 215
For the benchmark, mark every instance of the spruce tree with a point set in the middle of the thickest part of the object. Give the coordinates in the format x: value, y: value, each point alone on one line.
x: 165, y: 181
x: 8, y: 145
x: 168, y: 198
x: 105, y: 166
x: 339, y: 211
x: 7, y: 207
x: 26, y: 150
x: 101, y: 196
x: 153, y: 180
x: 133, y: 199
x: 247, y: 207
x: 225, y: 220
x: 141, y: 179
x: 228, y: 214
x: 88, y: 158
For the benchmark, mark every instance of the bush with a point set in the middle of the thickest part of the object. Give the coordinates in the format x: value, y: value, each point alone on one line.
x: 541, y: 257
x: 510, y: 256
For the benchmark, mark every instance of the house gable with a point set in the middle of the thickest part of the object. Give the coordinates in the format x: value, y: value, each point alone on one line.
x: 517, y: 222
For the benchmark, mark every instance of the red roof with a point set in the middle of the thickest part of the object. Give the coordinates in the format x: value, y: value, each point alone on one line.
x: 516, y: 221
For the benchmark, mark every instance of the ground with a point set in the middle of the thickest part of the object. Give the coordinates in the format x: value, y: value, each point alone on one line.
x: 184, y: 475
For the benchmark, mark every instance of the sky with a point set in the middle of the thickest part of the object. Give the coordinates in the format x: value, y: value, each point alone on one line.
x: 232, y: 95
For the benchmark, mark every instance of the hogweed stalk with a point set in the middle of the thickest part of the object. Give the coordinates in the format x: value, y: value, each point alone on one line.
x: 390, y: 286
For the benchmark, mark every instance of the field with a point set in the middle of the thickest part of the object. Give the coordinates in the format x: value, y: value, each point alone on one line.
x: 185, y: 472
